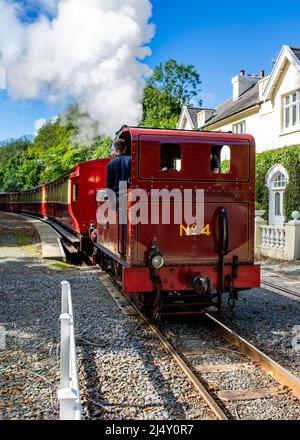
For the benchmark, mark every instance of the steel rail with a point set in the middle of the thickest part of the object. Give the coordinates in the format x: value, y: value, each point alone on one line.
x: 281, y: 289
x: 185, y: 368
x: 283, y: 376
x: 284, y: 274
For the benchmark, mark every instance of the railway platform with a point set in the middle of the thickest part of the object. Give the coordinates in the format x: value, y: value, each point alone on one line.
x: 51, y: 247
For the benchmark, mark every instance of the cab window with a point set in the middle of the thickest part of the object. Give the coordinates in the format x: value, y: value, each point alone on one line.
x: 170, y: 157
x: 220, y: 159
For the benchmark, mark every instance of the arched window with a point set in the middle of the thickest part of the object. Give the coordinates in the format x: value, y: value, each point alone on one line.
x: 225, y: 159
x: 220, y: 159
x: 277, y: 180
x: 280, y: 181
x: 277, y: 204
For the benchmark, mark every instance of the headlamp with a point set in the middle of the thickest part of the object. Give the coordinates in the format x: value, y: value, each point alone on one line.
x: 156, y: 260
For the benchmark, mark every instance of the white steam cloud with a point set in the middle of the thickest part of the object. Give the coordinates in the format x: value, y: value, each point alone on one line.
x: 90, y: 50
x: 38, y: 124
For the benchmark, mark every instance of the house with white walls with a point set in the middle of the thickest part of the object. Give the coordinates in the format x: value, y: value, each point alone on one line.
x: 268, y: 108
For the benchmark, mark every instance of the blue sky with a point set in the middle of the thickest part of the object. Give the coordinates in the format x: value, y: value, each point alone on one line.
x: 219, y: 38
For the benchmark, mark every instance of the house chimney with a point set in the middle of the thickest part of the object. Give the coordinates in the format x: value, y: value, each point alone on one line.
x: 262, y: 74
x: 241, y: 83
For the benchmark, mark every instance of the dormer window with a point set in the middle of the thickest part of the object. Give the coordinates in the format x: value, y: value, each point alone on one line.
x: 291, y: 110
x: 239, y: 128
x: 203, y: 116
x: 200, y: 120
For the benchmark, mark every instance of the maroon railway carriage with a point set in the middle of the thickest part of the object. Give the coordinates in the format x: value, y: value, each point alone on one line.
x: 69, y: 202
x: 163, y: 263
x: 10, y: 202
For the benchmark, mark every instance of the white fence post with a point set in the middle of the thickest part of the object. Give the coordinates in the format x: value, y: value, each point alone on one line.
x: 259, y: 221
x: 65, y: 287
x: 65, y: 320
x: 68, y: 393
x: 293, y: 237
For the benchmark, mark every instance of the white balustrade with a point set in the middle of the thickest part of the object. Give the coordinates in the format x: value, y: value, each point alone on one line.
x: 273, y: 237
x: 278, y: 242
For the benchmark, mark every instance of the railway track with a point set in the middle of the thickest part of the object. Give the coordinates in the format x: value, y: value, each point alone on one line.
x: 254, y: 376
x: 273, y: 276
x: 281, y: 274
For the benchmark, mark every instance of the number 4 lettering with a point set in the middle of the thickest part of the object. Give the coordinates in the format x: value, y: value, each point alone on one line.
x: 206, y: 230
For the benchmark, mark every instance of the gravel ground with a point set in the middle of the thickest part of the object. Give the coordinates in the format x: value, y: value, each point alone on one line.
x: 123, y: 372
x: 289, y: 267
x: 269, y: 320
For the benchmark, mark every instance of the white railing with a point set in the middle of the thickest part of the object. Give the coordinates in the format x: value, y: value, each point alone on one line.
x: 68, y: 393
x: 279, y: 242
x: 273, y: 237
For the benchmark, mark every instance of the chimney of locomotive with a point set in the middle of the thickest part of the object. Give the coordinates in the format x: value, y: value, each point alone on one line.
x: 241, y: 83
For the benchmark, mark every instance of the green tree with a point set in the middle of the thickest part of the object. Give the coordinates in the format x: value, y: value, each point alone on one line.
x: 171, y: 86
x: 9, y: 149
x: 26, y: 163
x: 12, y: 179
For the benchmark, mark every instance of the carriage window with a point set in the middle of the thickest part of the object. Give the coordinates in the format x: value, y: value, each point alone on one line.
x: 75, y: 192
x: 220, y: 159
x: 170, y: 157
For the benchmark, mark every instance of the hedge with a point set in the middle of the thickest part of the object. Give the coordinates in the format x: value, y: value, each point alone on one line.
x: 289, y: 158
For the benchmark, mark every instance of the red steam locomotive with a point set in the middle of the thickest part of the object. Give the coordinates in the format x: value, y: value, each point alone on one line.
x: 170, y: 268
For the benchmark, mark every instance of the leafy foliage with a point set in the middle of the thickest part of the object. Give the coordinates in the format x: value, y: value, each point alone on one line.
x: 289, y: 158
x: 26, y: 163
x: 170, y: 88
x: 12, y: 154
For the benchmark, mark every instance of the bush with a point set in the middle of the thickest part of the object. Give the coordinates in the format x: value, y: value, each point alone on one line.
x: 289, y: 158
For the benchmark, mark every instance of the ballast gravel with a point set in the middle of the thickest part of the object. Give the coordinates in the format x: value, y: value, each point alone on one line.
x: 271, y: 322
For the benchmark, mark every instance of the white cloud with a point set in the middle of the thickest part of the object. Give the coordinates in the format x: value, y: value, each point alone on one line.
x: 2, y: 78
x: 38, y: 124
x: 91, y: 50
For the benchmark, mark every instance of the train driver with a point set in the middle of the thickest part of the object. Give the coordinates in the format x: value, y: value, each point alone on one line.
x: 119, y: 169
x: 215, y: 160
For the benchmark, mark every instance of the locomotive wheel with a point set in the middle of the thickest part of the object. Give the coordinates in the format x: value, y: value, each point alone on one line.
x: 103, y: 262
x: 95, y: 256
x: 142, y: 301
x: 113, y: 269
x: 136, y: 298
x: 157, y: 306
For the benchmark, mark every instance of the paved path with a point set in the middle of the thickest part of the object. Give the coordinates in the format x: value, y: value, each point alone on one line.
x: 51, y: 247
